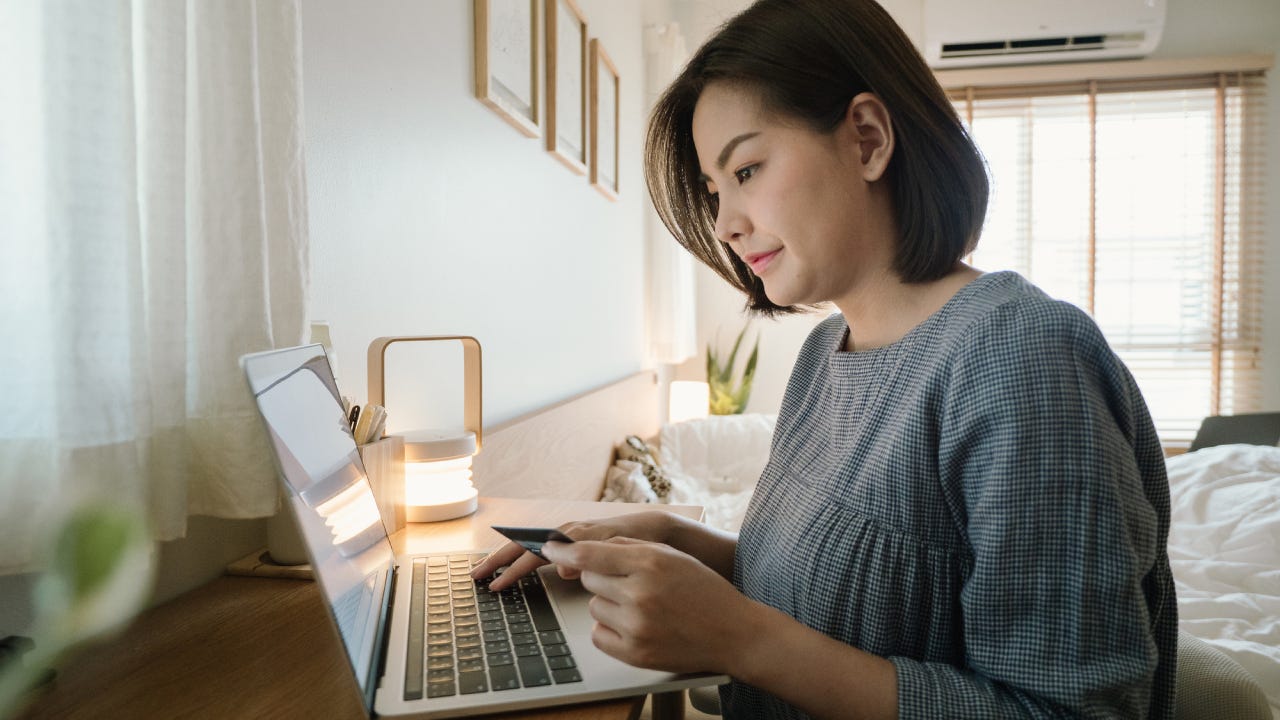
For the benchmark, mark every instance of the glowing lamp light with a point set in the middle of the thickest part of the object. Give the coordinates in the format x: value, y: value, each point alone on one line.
x: 437, y: 476
x: 349, y: 513
x: 688, y: 401
x: 437, y: 464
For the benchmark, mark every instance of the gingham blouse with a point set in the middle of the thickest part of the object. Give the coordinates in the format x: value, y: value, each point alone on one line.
x: 983, y: 502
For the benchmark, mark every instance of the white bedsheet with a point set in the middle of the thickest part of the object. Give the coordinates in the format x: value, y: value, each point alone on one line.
x: 715, y: 462
x: 1224, y: 548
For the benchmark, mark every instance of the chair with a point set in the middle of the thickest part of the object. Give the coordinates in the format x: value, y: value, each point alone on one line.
x: 1212, y: 686
x: 1249, y: 429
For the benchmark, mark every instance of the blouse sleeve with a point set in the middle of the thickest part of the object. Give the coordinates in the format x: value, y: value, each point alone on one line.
x: 1037, y: 459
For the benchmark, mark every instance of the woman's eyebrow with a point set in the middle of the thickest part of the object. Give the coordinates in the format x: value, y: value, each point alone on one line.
x: 728, y: 149
x: 729, y: 146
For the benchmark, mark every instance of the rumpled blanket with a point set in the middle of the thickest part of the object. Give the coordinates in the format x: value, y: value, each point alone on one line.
x: 1224, y: 549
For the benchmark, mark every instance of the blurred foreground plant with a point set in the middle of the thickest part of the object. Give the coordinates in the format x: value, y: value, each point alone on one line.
x: 725, y: 399
x: 98, y: 578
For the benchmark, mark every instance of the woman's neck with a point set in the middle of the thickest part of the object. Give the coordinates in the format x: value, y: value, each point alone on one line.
x: 883, y: 311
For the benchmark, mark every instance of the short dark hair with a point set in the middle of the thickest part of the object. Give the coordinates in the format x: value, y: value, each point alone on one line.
x: 808, y: 59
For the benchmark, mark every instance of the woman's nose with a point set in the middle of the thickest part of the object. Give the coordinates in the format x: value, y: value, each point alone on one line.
x: 731, y: 223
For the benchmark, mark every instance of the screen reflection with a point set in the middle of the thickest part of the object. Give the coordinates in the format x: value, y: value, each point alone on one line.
x: 328, y: 492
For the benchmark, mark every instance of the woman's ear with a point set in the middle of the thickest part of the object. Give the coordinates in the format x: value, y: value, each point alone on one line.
x: 868, y: 119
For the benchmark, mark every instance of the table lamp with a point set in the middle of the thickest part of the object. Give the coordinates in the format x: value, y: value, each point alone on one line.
x: 437, y: 463
x: 688, y: 401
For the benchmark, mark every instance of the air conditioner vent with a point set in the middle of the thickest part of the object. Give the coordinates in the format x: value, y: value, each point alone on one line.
x: 976, y: 33
x: 1066, y: 44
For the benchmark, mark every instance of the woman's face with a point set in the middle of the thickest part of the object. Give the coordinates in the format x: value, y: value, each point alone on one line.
x: 794, y: 204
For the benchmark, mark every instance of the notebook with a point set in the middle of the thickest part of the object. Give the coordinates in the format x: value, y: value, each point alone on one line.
x: 422, y: 639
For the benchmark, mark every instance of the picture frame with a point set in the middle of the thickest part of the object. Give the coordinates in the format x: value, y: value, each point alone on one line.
x: 566, y: 67
x: 605, y: 110
x: 507, y: 50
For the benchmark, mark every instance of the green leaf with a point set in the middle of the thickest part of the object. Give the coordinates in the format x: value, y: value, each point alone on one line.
x: 726, y: 374
x: 725, y: 399
x: 90, y: 548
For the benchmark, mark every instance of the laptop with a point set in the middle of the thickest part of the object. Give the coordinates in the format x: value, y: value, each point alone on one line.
x: 423, y: 639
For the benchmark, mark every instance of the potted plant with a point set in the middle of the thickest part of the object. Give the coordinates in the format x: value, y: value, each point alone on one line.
x: 726, y: 399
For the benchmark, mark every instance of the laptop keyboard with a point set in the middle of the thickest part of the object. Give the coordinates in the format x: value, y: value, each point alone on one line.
x: 466, y: 639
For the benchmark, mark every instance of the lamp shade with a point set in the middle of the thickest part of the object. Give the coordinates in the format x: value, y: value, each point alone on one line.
x: 437, y: 475
x: 689, y: 401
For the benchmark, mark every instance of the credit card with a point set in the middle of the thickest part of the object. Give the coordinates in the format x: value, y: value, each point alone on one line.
x: 532, y: 538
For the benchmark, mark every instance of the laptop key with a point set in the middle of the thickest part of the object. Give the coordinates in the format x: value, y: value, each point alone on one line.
x: 441, y: 689
x: 470, y: 683
x: 561, y: 662
x: 440, y: 663
x: 540, y: 608
x: 566, y: 675
x: 502, y: 658
x: 533, y: 671
x: 470, y: 653
x: 503, y: 677
x: 555, y: 650
x: 550, y: 638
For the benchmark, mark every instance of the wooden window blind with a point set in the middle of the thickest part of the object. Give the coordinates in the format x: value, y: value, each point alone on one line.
x: 1141, y: 201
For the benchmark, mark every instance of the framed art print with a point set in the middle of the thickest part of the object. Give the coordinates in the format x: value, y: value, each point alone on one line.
x: 506, y: 61
x: 604, y: 107
x: 566, y: 64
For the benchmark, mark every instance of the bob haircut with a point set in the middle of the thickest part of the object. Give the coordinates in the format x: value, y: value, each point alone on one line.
x: 807, y: 59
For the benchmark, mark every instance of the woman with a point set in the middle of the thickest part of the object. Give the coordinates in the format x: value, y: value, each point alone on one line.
x: 965, y: 509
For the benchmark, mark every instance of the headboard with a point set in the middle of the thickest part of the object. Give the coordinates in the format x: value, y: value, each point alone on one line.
x: 563, y: 451
x: 1248, y: 429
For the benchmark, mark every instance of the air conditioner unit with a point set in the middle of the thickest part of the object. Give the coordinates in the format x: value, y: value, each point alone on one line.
x: 968, y: 33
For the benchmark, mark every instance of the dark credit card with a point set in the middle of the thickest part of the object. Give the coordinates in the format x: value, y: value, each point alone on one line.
x: 531, y: 538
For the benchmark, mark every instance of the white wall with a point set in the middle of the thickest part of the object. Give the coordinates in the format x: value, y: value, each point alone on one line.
x: 430, y: 215
x: 1193, y: 29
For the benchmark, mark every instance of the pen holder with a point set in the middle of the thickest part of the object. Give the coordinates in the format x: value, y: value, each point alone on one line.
x: 384, y: 463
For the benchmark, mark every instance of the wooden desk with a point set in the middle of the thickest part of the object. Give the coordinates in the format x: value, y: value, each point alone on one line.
x: 260, y: 648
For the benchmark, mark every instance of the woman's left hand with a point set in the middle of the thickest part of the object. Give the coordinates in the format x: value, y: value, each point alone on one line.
x: 656, y: 607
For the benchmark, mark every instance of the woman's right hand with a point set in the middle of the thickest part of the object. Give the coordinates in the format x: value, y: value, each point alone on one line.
x: 651, y: 526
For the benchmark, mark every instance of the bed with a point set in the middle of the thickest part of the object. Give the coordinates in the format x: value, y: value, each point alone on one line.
x: 1224, y: 548
x: 1224, y: 540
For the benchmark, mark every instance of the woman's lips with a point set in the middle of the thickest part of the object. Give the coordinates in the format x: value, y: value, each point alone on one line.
x: 760, y: 261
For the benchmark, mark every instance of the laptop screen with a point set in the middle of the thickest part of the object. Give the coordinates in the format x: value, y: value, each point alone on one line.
x: 329, y: 493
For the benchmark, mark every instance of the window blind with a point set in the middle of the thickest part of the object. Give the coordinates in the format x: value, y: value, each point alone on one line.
x: 1141, y: 201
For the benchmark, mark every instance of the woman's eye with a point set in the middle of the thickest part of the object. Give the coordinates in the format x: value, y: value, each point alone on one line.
x: 745, y: 173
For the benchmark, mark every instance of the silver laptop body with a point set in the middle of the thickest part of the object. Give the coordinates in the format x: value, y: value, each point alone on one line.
x: 369, y: 591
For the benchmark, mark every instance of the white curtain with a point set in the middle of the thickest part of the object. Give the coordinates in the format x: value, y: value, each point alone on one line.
x: 152, y: 230
x: 671, y: 281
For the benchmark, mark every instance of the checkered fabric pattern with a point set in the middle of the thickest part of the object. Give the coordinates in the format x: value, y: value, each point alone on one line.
x: 983, y: 502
